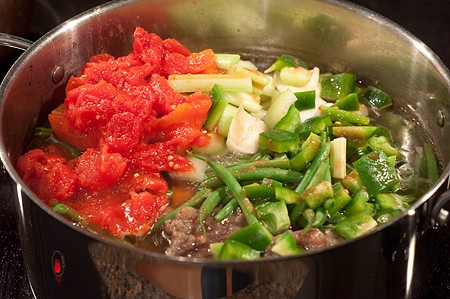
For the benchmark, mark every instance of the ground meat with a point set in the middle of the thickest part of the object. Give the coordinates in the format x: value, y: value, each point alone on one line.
x: 186, y: 237
x: 314, y: 238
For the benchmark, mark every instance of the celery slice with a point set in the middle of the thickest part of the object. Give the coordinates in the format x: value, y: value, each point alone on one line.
x: 205, y: 82
x: 226, y: 61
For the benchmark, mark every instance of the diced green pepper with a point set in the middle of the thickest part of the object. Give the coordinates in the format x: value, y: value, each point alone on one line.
x: 287, y: 195
x: 254, y: 235
x: 290, y: 121
x: 216, y: 248
x: 274, y: 216
x: 286, y: 245
x: 384, y: 144
x: 317, y: 195
x: 219, y: 102
x: 305, y: 100
x: 277, y: 140
x: 376, y: 172
x: 391, y: 201
x: 315, y: 125
x: 308, y: 151
x: 358, y: 203
x: 355, y: 225
x: 285, y: 61
x: 336, y: 87
x: 234, y: 250
x: 257, y: 192
x: 356, y: 136
x: 352, y: 182
x: 377, y: 97
x: 349, y: 103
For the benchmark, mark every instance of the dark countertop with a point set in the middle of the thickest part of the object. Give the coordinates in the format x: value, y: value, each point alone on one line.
x: 428, y: 20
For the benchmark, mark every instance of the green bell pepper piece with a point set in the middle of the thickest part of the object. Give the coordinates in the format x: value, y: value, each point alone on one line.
x: 290, y: 121
x: 305, y: 100
x: 254, y: 235
x: 308, y: 151
x: 336, y: 87
x: 357, y: 136
x: 318, y: 194
x: 355, y: 225
x: 377, y: 97
x: 219, y: 102
x: 349, y: 103
x: 286, y: 245
x: 376, y: 172
x: 287, y: 195
x: 278, y: 141
x: 274, y: 216
x: 235, y: 250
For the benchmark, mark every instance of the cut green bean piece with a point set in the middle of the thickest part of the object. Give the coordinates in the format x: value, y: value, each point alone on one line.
x: 308, y: 151
x: 358, y: 203
x: 337, y: 114
x: 227, y: 210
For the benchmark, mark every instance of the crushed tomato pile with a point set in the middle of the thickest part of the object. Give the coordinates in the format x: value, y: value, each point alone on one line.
x: 130, y: 126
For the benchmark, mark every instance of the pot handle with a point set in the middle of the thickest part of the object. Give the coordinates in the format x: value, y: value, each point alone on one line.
x: 13, y: 41
x: 439, y: 215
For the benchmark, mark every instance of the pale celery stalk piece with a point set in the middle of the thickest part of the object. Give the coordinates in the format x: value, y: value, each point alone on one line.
x: 250, y: 101
x: 279, y: 107
x: 223, y: 126
x: 338, y: 160
x: 226, y: 61
x: 312, y: 84
x: 295, y: 76
x: 196, y: 175
x: 247, y: 64
x: 204, y: 82
x: 258, y: 78
x: 243, y: 135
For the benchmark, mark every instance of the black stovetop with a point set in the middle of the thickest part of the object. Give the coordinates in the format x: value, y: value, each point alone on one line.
x: 428, y: 20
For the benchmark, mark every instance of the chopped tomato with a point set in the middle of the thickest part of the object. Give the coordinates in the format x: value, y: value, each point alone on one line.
x: 132, y: 126
x: 99, y: 170
x: 47, y: 175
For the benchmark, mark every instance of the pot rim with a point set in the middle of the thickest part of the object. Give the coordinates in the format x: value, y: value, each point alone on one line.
x: 435, y: 61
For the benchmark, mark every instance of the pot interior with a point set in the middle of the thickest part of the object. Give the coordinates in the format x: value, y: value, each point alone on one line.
x: 331, y: 35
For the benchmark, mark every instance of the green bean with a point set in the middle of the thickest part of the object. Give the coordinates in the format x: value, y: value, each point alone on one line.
x: 320, y: 173
x: 320, y: 217
x: 236, y: 189
x: 195, y: 200
x: 278, y: 174
x: 208, y: 205
x: 321, y: 156
x: 227, y: 209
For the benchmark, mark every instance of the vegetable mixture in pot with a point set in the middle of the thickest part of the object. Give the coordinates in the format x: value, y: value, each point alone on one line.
x: 203, y: 155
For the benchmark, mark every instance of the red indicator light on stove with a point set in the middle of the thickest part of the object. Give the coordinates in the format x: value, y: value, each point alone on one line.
x: 58, y: 264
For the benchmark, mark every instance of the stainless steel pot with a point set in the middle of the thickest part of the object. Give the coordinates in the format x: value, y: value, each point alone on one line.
x: 64, y: 261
